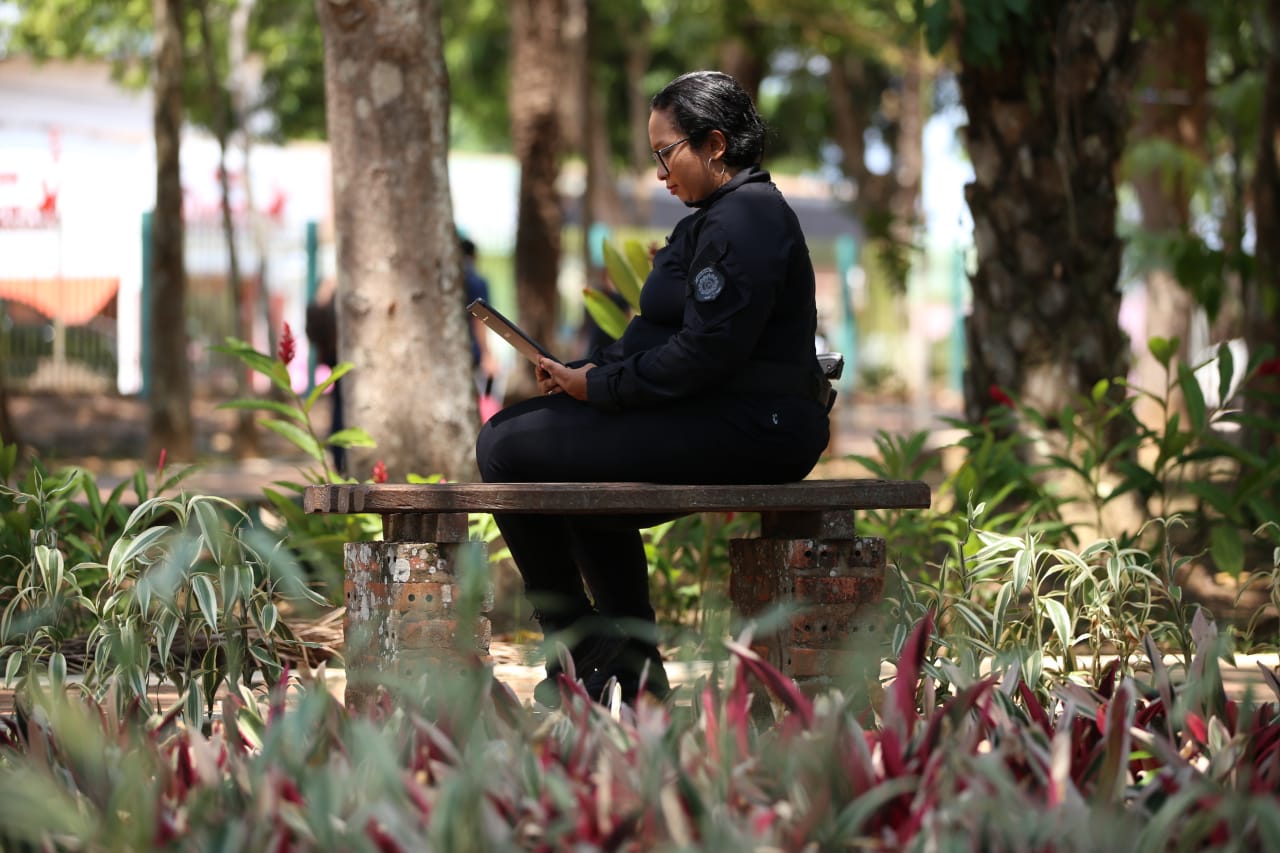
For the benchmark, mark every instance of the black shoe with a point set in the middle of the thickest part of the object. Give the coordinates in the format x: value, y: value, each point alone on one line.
x: 587, y: 657
x: 634, y: 661
x: 600, y: 651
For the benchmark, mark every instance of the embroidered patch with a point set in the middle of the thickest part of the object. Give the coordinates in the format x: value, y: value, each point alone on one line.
x: 707, y: 284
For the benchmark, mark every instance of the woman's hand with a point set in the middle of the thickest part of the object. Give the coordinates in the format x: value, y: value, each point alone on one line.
x: 554, y: 377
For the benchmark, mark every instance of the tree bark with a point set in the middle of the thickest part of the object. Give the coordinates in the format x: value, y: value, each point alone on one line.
x: 639, y: 57
x: 848, y: 83
x: 1171, y: 107
x: 1262, y: 290
x: 225, y: 120
x: 171, y: 426
x: 538, y: 47
x: 399, y: 268
x: 1046, y: 129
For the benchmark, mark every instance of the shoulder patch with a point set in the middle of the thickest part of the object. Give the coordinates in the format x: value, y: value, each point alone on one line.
x: 708, y: 282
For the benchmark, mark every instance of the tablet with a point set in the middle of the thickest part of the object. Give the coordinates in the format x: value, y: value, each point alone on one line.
x: 509, y: 331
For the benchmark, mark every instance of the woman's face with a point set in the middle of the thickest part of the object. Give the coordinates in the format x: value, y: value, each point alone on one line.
x: 682, y: 167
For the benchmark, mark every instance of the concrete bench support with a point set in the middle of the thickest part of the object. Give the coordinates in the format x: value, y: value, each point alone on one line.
x: 403, y: 595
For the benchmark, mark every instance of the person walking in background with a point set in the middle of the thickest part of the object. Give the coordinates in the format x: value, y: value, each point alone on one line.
x: 483, y: 361
x: 322, y: 331
x: 477, y: 287
x: 714, y: 381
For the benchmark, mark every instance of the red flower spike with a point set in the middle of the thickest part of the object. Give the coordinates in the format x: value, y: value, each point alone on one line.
x: 379, y: 472
x: 1197, y: 728
x: 1270, y: 367
x: 999, y: 397
x: 288, y: 345
x: 164, y: 452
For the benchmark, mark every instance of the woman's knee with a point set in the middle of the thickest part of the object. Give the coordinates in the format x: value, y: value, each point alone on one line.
x: 487, y: 454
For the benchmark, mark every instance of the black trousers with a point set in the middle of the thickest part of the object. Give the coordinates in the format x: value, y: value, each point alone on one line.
x: 713, y: 440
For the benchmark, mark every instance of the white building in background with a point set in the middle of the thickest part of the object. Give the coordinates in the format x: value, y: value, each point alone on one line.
x: 72, y: 138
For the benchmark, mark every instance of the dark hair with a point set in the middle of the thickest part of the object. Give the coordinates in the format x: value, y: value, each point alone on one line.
x: 703, y: 101
x: 468, y: 248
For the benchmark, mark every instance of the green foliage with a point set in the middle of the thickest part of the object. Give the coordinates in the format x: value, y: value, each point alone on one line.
x: 1157, y: 761
x: 627, y: 270
x: 988, y: 26
x: 689, y: 572
x: 179, y: 591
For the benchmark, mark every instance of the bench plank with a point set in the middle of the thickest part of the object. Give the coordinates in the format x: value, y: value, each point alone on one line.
x: 605, y: 498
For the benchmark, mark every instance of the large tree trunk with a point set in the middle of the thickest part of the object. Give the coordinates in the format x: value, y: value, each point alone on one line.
x: 225, y: 120
x: 639, y: 57
x: 1262, y: 290
x: 1045, y: 299
x: 854, y: 98
x: 399, y: 268
x: 603, y: 200
x: 171, y: 427
x: 538, y: 48
x: 1172, y: 109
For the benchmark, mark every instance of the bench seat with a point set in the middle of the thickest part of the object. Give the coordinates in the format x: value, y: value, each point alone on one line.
x: 402, y: 595
x: 606, y: 498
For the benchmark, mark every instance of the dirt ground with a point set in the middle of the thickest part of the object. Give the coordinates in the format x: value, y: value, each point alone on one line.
x: 105, y: 432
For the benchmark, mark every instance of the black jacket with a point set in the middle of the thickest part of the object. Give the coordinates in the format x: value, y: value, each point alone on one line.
x: 731, y: 292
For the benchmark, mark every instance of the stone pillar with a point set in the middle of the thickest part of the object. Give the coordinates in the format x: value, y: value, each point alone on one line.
x: 834, y: 582
x: 406, y: 616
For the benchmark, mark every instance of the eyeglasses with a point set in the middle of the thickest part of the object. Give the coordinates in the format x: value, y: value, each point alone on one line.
x: 659, y: 155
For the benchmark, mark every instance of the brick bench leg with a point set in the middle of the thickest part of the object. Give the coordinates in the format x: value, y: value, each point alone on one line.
x: 834, y: 579
x: 403, y: 605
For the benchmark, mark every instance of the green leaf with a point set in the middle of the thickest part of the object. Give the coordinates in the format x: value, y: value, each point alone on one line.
x: 1194, y: 397
x: 1061, y: 622
x: 302, y: 439
x: 11, y: 668
x: 621, y: 274
x: 641, y: 264
x: 1164, y: 349
x: 607, y: 315
x: 351, y: 437
x: 1227, y: 549
x: 1226, y: 367
x: 57, y: 670
x: 269, y: 616
x: 194, y: 704
x: 267, y: 406
x: 207, y: 599
x: 339, y: 370
x: 1215, y: 497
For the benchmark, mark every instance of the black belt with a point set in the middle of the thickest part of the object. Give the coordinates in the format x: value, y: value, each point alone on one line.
x: 792, y: 380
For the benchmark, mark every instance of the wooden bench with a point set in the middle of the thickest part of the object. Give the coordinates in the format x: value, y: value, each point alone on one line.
x: 402, y: 593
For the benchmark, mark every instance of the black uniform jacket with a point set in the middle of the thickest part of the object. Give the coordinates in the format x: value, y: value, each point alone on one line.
x: 731, y: 296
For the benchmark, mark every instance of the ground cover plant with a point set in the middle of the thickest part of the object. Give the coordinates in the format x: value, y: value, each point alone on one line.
x: 1040, y: 692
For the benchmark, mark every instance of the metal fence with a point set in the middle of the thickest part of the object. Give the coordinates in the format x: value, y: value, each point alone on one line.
x: 59, y: 334
x: 68, y: 334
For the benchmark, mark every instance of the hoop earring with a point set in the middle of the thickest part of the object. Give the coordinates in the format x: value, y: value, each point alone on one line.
x: 724, y: 167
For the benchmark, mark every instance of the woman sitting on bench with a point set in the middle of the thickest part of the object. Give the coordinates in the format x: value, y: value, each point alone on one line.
x: 714, y: 381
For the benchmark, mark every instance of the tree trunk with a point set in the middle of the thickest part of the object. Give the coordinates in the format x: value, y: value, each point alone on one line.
x: 225, y: 120
x: 605, y: 203
x: 399, y: 267
x: 538, y: 48
x: 171, y: 427
x: 851, y: 110
x: 1262, y: 290
x: 1046, y: 129
x: 639, y: 56
x: 1172, y: 108
x: 8, y: 433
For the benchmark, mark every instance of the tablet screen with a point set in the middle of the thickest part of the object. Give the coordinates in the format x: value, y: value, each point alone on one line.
x: 509, y: 331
